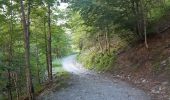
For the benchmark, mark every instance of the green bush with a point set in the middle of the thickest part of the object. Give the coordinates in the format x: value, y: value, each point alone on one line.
x: 57, y: 63
x: 97, y: 61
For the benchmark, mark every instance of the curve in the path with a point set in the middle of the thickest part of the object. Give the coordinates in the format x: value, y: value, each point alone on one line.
x: 86, y: 85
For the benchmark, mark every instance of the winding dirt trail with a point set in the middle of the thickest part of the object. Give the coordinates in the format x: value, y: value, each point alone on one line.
x: 87, y: 85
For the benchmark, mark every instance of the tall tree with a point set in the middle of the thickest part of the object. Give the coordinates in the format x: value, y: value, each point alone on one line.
x: 26, y: 25
x: 49, y: 43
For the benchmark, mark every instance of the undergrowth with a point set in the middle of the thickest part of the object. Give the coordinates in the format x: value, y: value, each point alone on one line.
x: 97, y: 61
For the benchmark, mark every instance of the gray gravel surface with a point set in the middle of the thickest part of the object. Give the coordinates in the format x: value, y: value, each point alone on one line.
x: 87, y: 85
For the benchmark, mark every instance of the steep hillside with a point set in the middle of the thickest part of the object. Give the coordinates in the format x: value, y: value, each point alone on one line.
x: 147, y: 68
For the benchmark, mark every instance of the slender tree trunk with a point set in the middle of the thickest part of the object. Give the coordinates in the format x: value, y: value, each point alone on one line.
x: 135, y: 12
x: 26, y: 23
x: 19, y: 73
x: 16, y: 85
x: 9, y: 86
x: 107, y: 39
x: 10, y: 52
x: 145, y: 33
x: 143, y: 15
x: 139, y: 22
x: 46, y: 47
x: 49, y: 44
x: 105, y: 36
x: 100, y: 45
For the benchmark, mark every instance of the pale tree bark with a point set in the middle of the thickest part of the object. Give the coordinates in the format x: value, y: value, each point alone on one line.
x: 143, y: 15
x: 26, y: 24
x: 49, y: 44
x: 46, y: 46
x: 145, y: 33
x: 100, y: 45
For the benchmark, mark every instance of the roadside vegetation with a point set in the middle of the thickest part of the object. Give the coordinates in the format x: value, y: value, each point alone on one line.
x: 101, y: 29
x: 30, y: 42
x: 127, y: 38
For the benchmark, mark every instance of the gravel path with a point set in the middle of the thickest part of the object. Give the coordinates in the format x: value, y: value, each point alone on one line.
x: 87, y: 85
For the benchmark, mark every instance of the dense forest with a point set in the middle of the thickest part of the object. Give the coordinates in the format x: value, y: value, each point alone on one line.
x: 33, y: 33
x: 30, y: 39
x: 102, y: 27
x: 127, y: 38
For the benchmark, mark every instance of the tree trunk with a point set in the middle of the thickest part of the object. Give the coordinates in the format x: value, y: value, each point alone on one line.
x: 16, y: 85
x: 9, y: 86
x: 143, y: 15
x: 10, y: 52
x: 145, y: 33
x: 137, y: 15
x: 105, y: 36
x: 135, y: 11
x: 108, y: 39
x: 26, y: 23
x: 100, y: 45
x: 46, y: 47
x: 139, y: 22
x: 49, y: 44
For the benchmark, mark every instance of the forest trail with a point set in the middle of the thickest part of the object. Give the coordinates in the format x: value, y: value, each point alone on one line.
x: 87, y: 85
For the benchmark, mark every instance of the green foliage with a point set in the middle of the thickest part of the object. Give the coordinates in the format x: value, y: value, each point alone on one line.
x: 125, y: 15
x: 104, y: 62
x: 97, y: 61
x: 60, y: 42
x: 56, y: 63
x: 12, y: 44
x: 98, y: 25
x: 38, y: 88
